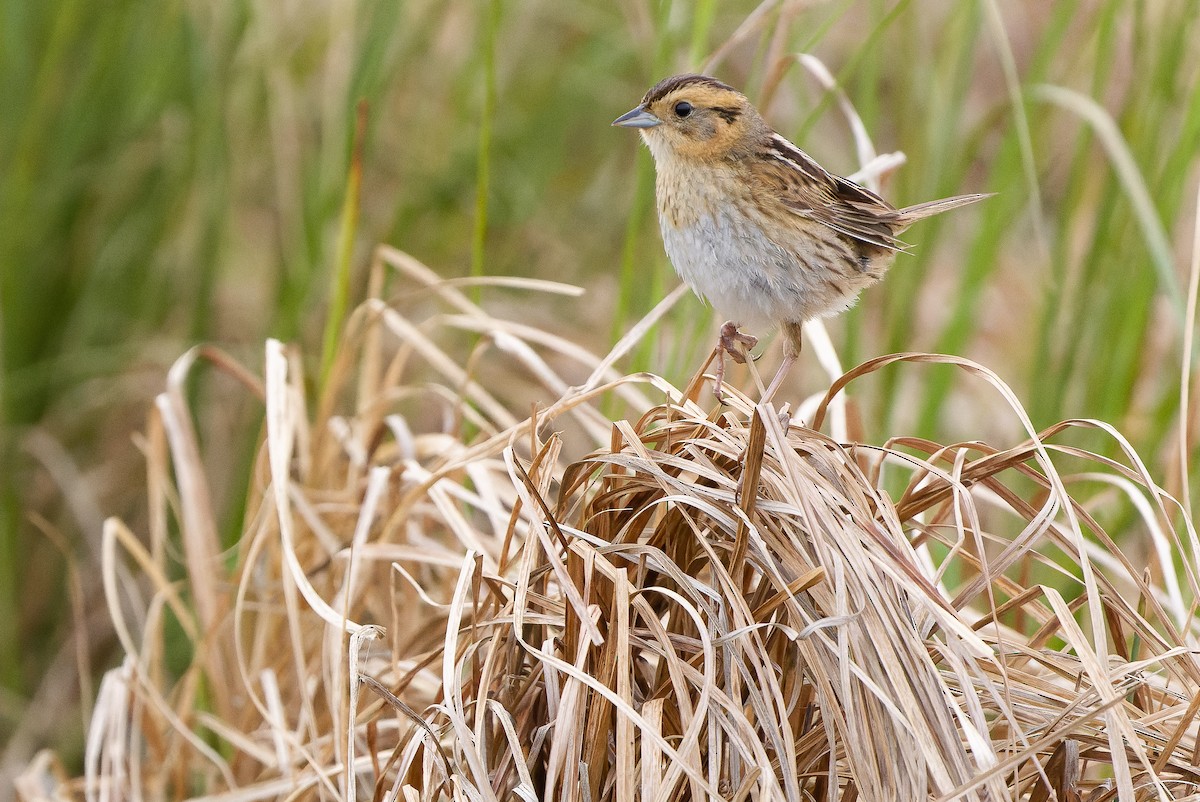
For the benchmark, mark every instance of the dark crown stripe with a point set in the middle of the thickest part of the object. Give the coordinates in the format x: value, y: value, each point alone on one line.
x: 668, y: 85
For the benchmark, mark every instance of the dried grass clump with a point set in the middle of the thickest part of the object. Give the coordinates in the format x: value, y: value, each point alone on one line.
x: 433, y: 600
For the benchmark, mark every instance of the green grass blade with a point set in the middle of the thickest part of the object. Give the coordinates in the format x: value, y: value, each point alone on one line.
x: 339, y: 291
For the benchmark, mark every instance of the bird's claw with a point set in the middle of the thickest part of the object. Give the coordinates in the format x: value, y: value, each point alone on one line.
x: 736, y: 343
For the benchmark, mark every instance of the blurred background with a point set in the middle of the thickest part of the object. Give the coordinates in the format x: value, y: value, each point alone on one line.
x: 174, y: 173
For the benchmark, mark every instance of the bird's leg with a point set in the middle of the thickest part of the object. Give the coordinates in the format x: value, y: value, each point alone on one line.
x: 791, y: 349
x: 730, y: 342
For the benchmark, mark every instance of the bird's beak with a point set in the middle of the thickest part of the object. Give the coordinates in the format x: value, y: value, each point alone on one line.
x: 637, y: 118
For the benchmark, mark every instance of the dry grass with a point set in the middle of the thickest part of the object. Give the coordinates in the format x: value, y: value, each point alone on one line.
x: 435, y: 597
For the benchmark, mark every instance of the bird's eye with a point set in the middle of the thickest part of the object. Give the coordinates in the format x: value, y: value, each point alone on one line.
x: 683, y: 108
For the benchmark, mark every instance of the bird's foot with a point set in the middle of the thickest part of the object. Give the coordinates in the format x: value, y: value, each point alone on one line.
x: 736, y: 343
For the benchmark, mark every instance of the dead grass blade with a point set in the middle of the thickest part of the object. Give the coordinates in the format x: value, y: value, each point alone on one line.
x: 687, y: 604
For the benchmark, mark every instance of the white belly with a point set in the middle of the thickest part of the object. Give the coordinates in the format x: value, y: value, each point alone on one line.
x: 727, y: 261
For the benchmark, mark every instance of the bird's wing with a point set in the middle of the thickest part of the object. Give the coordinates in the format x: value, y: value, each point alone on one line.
x: 809, y: 190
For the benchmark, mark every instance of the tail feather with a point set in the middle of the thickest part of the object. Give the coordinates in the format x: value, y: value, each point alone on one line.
x: 911, y: 214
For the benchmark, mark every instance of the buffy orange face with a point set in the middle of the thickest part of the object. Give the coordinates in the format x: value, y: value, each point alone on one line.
x: 694, y: 117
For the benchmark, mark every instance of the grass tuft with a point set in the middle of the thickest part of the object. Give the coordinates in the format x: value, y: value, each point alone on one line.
x: 433, y: 597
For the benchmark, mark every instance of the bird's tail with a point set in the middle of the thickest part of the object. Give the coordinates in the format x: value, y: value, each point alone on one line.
x: 911, y: 214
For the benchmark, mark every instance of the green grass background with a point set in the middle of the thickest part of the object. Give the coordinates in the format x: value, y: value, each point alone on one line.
x: 173, y: 173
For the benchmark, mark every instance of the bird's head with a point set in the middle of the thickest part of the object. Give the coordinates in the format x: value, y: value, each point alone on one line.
x: 695, y: 118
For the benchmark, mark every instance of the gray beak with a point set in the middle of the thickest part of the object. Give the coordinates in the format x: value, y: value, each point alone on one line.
x: 637, y: 118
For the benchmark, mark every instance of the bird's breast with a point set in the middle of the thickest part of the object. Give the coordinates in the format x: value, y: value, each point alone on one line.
x: 754, y: 268
x: 718, y: 248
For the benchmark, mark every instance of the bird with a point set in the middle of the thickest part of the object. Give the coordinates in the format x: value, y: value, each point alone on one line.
x: 753, y: 224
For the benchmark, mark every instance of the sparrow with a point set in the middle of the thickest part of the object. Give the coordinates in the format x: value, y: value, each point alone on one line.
x: 753, y: 224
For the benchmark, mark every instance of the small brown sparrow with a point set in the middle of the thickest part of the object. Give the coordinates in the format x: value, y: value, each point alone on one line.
x: 753, y: 224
